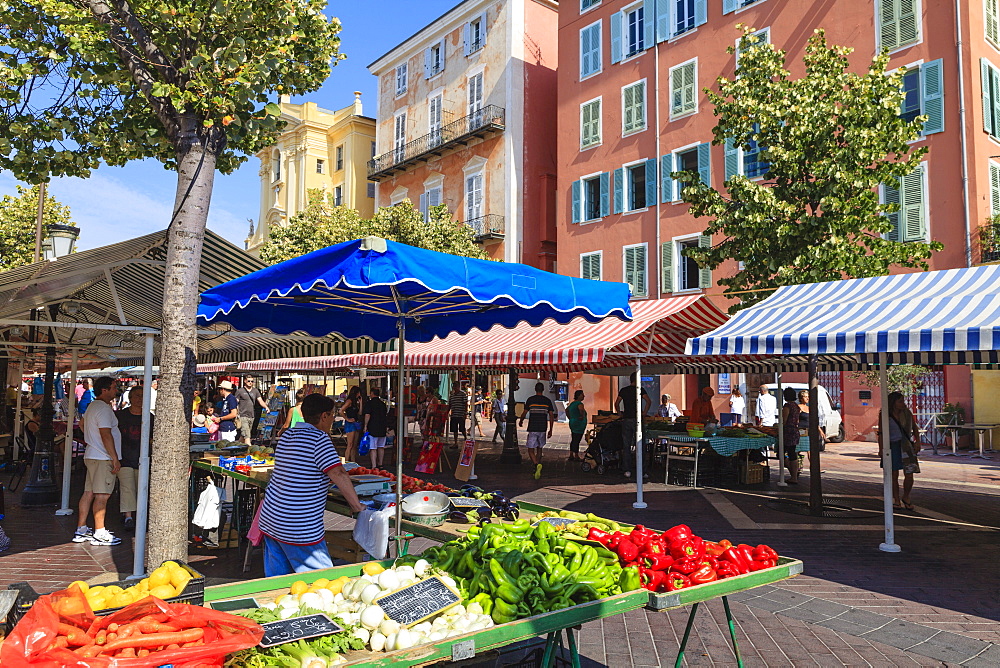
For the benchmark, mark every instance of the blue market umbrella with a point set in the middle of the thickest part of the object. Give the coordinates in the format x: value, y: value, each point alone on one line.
x: 386, y: 290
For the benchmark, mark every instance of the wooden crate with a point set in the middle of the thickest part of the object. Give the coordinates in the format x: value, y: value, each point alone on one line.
x: 342, y: 546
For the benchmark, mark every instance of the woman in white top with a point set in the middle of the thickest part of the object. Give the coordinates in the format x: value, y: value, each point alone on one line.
x: 737, y: 403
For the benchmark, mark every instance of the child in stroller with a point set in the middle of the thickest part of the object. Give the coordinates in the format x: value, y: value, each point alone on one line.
x: 604, y: 452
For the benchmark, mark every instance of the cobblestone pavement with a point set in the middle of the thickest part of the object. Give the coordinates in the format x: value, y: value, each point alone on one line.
x: 934, y: 603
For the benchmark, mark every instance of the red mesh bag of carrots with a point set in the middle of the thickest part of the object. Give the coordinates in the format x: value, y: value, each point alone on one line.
x: 61, y: 630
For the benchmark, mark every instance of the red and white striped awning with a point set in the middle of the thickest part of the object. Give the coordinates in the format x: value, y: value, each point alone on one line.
x: 659, y: 328
x: 215, y: 367
x: 319, y: 363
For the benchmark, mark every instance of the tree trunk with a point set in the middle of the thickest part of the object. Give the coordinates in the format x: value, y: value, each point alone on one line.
x: 168, y: 485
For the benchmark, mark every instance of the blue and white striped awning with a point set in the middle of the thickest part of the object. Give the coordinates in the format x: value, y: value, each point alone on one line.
x: 913, y: 315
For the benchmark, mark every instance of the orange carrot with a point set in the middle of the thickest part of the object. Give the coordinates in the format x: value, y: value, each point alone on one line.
x: 102, y: 637
x: 143, y: 652
x: 112, y: 637
x: 155, y: 627
x: 59, y: 641
x: 154, y: 640
x: 127, y: 653
x: 113, y: 627
x: 74, y: 636
x: 84, y: 649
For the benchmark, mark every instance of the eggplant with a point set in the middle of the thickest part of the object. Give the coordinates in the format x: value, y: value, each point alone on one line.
x: 470, y: 489
x: 458, y: 517
x: 484, y: 513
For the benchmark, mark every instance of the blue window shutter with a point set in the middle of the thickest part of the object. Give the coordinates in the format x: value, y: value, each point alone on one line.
x: 427, y: 63
x: 987, y: 101
x: 705, y: 163
x: 995, y: 96
x: 700, y: 12
x: 619, y: 190
x: 444, y: 55
x: 704, y: 275
x: 651, y: 182
x: 585, y: 49
x: 890, y: 195
x: 932, y: 96
x: 649, y: 23
x: 595, y: 47
x: 666, y: 181
x: 605, y: 193
x: 732, y: 159
x: 663, y: 20
x: 482, y: 29
x: 616, y: 37
x: 728, y: 6
x: 466, y: 45
x: 577, y: 214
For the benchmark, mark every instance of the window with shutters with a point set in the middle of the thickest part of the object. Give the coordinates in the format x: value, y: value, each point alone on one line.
x: 923, y: 94
x: 588, y: 4
x: 688, y: 273
x: 434, y: 118
x: 754, y: 39
x: 476, y: 39
x: 475, y: 93
x: 685, y: 160
x: 635, y: 187
x: 695, y: 158
x: 430, y: 199
x: 473, y: 196
x: 754, y: 165
x: 591, y: 197
x: 338, y: 196
x: 634, y: 269
x: 371, y: 190
x: 994, y: 189
x: 434, y: 60
x: 634, y: 25
x: 898, y: 23
x: 634, y: 107
x: 730, y: 6
x: 991, y: 26
x: 339, y: 161
x: 590, y: 50
x: 399, y: 137
x: 590, y: 266
x: 991, y: 97
x: 320, y: 166
x: 401, y: 80
x: 909, y: 223
x: 683, y: 16
x: 590, y: 123
x: 684, y: 89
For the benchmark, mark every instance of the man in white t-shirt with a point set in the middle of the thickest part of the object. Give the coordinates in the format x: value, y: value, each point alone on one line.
x: 103, y: 460
x: 767, y: 407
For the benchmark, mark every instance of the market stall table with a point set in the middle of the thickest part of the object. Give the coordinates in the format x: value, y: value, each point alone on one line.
x: 672, y: 443
x: 981, y: 430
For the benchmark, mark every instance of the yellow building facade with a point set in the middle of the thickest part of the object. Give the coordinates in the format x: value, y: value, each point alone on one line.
x: 319, y: 149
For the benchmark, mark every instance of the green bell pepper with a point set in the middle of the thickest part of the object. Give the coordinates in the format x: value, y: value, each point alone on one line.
x: 503, y: 612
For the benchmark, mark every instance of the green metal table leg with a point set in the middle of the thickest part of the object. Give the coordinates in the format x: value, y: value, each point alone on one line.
x: 574, y: 653
x: 551, y: 643
x: 687, y: 634
x: 732, y: 632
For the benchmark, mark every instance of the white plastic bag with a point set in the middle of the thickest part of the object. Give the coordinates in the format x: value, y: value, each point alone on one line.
x: 371, y: 530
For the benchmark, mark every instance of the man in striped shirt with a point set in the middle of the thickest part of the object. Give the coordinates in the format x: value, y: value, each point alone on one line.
x: 458, y: 402
x: 291, y: 519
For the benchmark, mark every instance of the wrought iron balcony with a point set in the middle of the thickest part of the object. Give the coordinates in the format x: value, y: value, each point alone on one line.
x: 482, y: 123
x: 989, y: 242
x: 487, y: 228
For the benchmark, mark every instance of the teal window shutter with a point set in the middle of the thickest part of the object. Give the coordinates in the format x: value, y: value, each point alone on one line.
x: 616, y: 37
x: 651, y: 182
x: 914, y: 223
x: 705, y: 163
x: 993, y: 21
x: 667, y: 267
x: 619, y: 186
x: 987, y: 99
x: 700, y: 12
x: 890, y: 195
x: 704, y: 275
x: 649, y: 23
x: 577, y: 188
x: 888, y: 24
x: 728, y: 6
x: 909, y: 21
x: 995, y: 97
x: 932, y: 96
x: 732, y: 158
x: 994, y: 189
x: 666, y: 181
x: 585, y: 67
x: 663, y: 20
x: 605, y: 193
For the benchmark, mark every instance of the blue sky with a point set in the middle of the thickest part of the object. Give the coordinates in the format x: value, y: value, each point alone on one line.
x: 120, y: 203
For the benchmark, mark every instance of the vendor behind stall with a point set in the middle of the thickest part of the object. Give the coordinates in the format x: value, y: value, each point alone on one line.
x: 291, y: 518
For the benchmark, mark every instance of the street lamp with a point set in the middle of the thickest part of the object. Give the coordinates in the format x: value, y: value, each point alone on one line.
x: 59, y: 241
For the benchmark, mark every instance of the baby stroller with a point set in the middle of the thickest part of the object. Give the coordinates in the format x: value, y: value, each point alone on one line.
x: 604, y: 452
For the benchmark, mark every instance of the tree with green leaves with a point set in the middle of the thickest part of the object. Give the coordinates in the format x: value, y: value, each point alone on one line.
x: 18, y: 220
x: 825, y: 142
x: 87, y: 82
x: 322, y: 224
x: 907, y: 379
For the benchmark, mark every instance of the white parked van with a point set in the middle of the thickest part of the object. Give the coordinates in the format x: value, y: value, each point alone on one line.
x: 830, y: 418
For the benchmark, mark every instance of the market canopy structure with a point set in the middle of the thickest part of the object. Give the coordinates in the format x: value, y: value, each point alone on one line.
x: 383, y: 290
x: 950, y: 316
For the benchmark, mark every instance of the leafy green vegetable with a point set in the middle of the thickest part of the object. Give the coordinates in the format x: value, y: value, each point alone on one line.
x: 294, y: 654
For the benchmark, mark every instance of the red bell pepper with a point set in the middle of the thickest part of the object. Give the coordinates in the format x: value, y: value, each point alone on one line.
x: 679, y: 532
x: 687, y: 549
x: 726, y: 570
x: 602, y: 537
x: 650, y: 579
x: 685, y: 566
x: 656, y: 562
x: 615, y: 539
x: 628, y: 552
x: 739, y: 558
x: 764, y: 553
x: 677, y: 581
x: 702, y: 575
x: 716, y: 549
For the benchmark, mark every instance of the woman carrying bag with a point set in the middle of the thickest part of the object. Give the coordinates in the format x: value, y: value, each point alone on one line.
x: 904, y: 444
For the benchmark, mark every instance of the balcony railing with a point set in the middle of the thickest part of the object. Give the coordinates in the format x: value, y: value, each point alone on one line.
x: 488, y: 227
x: 481, y: 123
x: 989, y: 242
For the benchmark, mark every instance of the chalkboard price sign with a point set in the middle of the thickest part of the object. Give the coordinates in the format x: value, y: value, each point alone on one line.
x: 417, y: 602
x: 297, y: 628
x: 555, y: 521
x: 462, y: 502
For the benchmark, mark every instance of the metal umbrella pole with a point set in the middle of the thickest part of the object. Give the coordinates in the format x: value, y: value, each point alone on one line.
x: 639, y: 454
x: 883, y: 381
x: 17, y: 408
x: 142, y: 500
x: 64, y: 507
x: 781, y: 434
x: 475, y: 425
x: 400, y: 421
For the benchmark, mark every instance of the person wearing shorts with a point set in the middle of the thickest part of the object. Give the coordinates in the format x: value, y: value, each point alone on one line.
x: 377, y: 425
x: 541, y: 414
x: 103, y: 461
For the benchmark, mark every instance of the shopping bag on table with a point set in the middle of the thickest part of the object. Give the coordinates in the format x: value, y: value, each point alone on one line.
x: 371, y: 530
x: 365, y: 446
